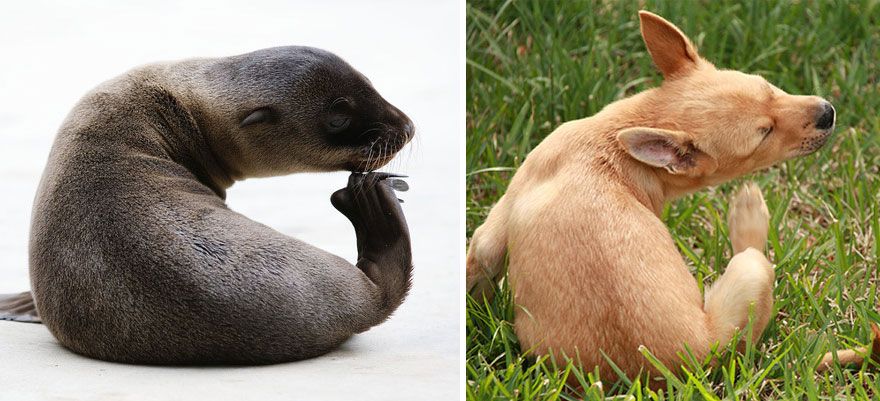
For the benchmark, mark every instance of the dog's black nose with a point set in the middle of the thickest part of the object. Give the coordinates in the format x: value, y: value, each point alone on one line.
x: 826, y: 116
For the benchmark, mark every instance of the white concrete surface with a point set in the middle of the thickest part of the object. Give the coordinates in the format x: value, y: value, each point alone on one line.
x: 52, y: 53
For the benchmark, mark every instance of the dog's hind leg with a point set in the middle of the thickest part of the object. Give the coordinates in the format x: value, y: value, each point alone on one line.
x: 487, y: 249
x: 747, y: 283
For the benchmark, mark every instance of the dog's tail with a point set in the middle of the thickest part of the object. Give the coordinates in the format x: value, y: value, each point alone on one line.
x: 19, y: 308
x: 857, y: 356
x: 487, y: 249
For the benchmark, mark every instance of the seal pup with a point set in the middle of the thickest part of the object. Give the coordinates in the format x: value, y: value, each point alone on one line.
x: 134, y: 255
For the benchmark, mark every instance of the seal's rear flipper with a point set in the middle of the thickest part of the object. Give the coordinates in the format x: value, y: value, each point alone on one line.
x: 18, y: 308
x: 383, y: 243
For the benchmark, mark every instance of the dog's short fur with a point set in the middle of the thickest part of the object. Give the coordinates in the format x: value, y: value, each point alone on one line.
x: 592, y: 267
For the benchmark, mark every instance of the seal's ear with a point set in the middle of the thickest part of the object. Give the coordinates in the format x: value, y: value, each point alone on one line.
x: 672, y: 150
x: 671, y: 50
x: 261, y: 115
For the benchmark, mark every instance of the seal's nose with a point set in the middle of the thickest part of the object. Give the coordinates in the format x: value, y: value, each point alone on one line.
x: 409, y: 129
x: 825, y: 119
x: 401, y: 121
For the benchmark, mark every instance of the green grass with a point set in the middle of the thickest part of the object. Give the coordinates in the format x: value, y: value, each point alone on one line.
x: 534, y: 64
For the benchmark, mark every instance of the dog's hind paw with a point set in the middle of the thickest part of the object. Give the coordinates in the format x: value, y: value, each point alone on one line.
x: 749, y: 219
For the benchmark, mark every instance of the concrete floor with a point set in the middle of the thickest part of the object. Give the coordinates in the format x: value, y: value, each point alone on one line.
x: 53, y: 53
x: 369, y: 367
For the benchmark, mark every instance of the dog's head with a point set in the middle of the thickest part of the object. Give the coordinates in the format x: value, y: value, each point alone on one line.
x: 710, y: 125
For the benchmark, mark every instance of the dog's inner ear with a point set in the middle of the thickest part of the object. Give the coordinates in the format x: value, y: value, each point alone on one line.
x: 671, y: 50
x: 670, y: 150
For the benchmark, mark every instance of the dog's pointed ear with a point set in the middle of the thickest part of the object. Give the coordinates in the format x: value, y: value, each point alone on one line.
x: 672, y: 51
x: 671, y: 150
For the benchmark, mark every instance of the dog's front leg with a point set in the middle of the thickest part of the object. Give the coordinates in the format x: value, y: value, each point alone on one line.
x: 747, y: 283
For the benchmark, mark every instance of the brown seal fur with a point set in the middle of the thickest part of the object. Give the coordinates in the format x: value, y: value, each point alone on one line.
x: 134, y: 255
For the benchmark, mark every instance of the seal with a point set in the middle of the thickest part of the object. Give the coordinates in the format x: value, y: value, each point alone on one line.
x: 135, y: 256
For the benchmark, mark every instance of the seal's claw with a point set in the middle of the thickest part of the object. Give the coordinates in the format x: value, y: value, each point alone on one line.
x: 400, y: 200
x: 398, y: 185
x: 379, y: 175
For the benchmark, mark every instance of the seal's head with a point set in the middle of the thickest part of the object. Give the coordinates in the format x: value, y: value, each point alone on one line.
x: 305, y: 109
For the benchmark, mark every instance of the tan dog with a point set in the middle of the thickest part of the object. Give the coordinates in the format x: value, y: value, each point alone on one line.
x: 591, y: 265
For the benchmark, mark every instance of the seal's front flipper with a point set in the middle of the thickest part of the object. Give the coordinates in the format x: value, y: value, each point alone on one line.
x: 19, y: 308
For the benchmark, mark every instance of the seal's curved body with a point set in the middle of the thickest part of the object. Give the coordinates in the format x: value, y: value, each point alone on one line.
x: 134, y: 255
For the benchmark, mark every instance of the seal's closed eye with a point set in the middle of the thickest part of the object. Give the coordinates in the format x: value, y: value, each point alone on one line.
x: 338, y: 122
x: 260, y: 115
